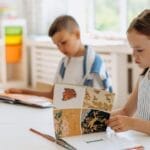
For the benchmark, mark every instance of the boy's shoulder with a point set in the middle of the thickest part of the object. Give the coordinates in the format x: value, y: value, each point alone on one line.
x: 92, y: 57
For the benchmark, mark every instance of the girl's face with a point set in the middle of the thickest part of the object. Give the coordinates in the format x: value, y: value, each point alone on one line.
x: 68, y: 43
x: 140, y: 44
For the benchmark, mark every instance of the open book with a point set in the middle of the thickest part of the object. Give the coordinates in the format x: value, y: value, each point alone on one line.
x: 80, y: 119
x: 80, y: 114
x: 80, y: 110
x: 30, y: 100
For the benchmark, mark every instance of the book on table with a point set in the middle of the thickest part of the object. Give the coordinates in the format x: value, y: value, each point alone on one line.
x: 25, y: 99
x: 80, y: 110
x: 80, y: 117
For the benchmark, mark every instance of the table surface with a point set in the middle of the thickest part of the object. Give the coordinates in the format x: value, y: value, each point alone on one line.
x: 16, y: 120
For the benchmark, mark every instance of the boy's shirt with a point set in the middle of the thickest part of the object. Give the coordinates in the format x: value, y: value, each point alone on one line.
x: 74, y: 71
x: 88, y: 70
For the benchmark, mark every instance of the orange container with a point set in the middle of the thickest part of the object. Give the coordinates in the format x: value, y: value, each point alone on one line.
x: 13, y: 53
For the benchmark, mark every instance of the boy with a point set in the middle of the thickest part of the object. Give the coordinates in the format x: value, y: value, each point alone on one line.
x: 80, y: 66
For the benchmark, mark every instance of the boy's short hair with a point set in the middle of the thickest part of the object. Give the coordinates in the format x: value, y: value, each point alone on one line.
x: 64, y: 22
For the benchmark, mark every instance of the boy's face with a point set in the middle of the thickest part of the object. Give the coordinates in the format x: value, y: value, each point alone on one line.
x: 68, y: 43
x: 141, y: 48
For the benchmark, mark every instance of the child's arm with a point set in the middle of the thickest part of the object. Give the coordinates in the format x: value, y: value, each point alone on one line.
x: 48, y: 94
x: 131, y: 105
x: 121, y: 123
x: 120, y: 120
x: 141, y: 125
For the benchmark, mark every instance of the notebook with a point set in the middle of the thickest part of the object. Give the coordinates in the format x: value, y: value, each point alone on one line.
x: 29, y: 100
x: 80, y: 110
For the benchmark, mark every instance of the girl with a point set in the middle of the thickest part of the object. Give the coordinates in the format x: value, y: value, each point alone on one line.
x: 138, y: 35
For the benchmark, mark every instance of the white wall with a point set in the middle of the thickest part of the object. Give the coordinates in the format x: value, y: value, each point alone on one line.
x: 78, y: 9
x: 40, y: 13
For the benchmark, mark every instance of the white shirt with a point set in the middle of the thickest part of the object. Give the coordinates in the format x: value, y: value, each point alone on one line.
x: 86, y: 70
x: 143, y: 105
x: 73, y: 72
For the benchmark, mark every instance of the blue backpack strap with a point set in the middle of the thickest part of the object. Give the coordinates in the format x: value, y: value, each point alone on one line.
x: 97, y: 64
x: 87, y: 82
x: 96, y: 68
x: 62, y: 70
x: 106, y: 83
x: 84, y: 61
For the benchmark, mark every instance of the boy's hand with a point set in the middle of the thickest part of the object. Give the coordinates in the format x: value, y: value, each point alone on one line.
x: 13, y: 90
x: 120, y: 123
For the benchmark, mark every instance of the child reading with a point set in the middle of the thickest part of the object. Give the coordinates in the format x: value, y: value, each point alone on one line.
x: 80, y: 66
x: 138, y: 35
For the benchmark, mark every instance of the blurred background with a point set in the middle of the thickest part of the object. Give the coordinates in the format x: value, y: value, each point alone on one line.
x: 93, y: 15
x: 29, y: 58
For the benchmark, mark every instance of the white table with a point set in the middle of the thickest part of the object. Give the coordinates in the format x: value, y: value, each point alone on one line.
x: 15, y: 121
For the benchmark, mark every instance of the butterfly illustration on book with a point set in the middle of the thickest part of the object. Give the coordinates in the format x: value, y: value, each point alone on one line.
x: 68, y: 94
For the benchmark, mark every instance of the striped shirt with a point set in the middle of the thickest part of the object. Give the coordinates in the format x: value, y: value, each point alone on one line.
x: 143, y: 105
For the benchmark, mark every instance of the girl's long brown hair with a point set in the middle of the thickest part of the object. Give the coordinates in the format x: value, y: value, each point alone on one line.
x: 142, y: 25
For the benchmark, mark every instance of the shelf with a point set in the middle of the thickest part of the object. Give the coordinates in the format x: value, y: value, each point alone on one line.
x: 13, y: 71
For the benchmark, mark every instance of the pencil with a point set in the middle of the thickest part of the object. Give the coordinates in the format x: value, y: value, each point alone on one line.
x: 138, y: 147
x: 52, y: 139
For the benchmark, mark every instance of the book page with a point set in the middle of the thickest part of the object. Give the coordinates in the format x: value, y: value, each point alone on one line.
x: 68, y: 96
x: 99, y: 99
x: 80, y: 109
x: 72, y: 96
x: 71, y: 122
x: 100, y: 141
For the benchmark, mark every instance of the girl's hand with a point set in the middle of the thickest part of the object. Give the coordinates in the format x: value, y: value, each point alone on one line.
x: 120, y: 123
x: 13, y: 90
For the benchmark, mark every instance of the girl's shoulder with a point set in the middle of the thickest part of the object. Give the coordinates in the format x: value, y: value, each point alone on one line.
x: 145, y: 75
x: 145, y: 71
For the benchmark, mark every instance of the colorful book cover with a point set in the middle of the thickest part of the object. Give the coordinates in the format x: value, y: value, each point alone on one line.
x: 80, y: 110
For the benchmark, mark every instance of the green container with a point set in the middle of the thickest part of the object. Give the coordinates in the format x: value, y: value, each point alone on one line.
x: 13, y: 30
